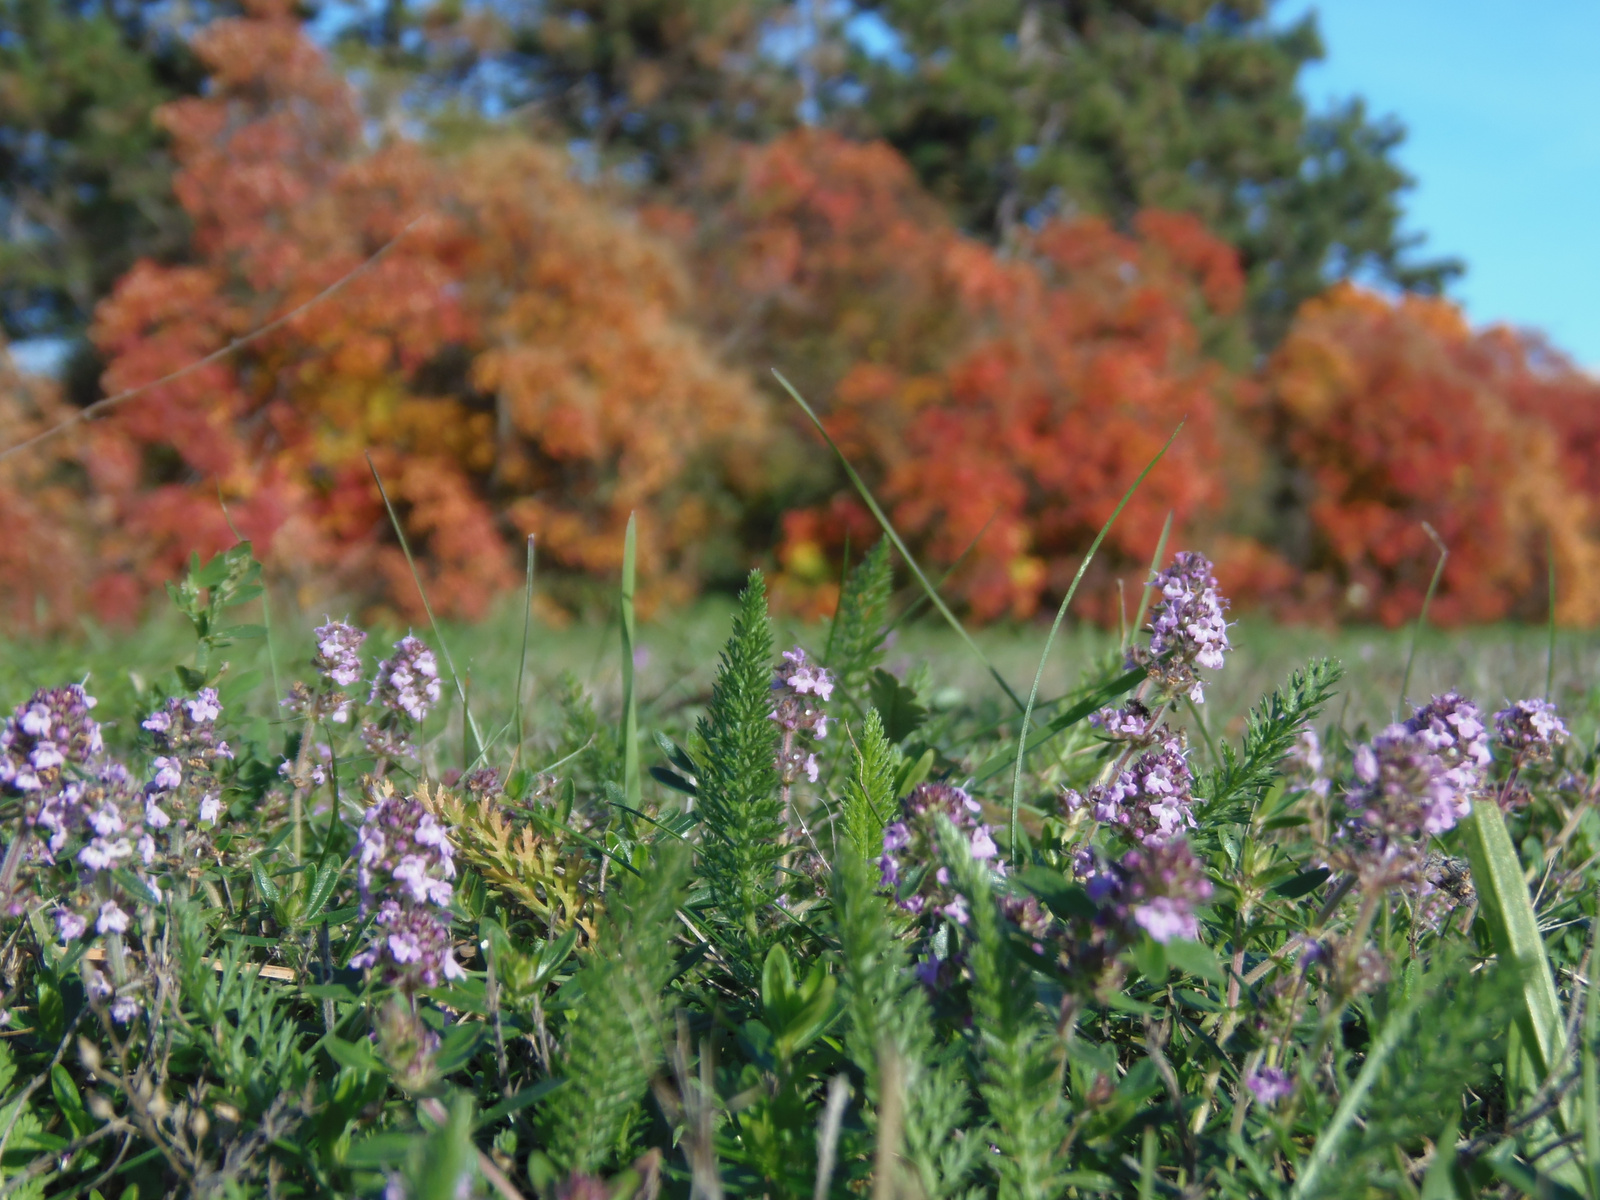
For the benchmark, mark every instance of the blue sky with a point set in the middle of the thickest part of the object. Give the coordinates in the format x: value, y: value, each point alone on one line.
x: 1502, y: 107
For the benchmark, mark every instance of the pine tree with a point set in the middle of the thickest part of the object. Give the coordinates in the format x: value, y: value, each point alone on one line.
x: 1009, y: 108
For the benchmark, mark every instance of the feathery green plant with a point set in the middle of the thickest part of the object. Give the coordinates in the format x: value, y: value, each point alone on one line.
x: 1021, y: 1057
x: 740, y: 808
x: 615, y: 1038
x: 869, y: 792
x: 891, y: 1024
x: 856, y: 638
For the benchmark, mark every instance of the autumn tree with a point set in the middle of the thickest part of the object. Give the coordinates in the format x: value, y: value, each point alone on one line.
x: 1010, y: 110
x: 998, y: 403
x: 515, y: 357
x: 1394, y: 412
x: 85, y: 177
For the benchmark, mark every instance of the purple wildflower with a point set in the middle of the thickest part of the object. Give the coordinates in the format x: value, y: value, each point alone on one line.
x: 1188, y: 627
x: 1305, y: 763
x: 1418, y: 778
x: 407, y: 683
x: 1452, y: 726
x: 48, y: 733
x: 910, y: 849
x: 1131, y: 723
x: 411, y: 946
x: 1269, y: 1084
x: 1149, y: 799
x: 400, y: 847
x: 124, y: 1009
x: 338, y: 657
x: 69, y: 925
x: 1155, y: 888
x: 1529, y: 729
x: 111, y: 919
x: 799, y: 690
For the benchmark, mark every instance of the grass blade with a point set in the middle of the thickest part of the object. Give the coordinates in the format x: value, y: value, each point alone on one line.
x: 272, y: 656
x: 1514, y: 927
x: 1591, y: 1073
x: 405, y: 546
x: 1378, y: 1054
x: 899, y: 543
x: 522, y: 661
x: 1422, y: 617
x: 1033, y: 694
x: 1550, y: 656
x: 630, y: 704
x: 1156, y: 560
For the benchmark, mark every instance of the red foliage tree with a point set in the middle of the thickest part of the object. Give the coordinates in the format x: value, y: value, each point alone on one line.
x: 517, y: 361
x: 1013, y: 396
x: 1398, y: 413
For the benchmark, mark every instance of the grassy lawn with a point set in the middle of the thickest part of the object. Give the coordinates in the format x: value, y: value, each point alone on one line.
x: 679, y: 655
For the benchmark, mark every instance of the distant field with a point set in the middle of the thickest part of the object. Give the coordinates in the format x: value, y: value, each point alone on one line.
x: 679, y: 654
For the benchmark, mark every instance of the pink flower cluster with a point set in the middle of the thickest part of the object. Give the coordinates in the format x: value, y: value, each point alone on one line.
x: 47, y: 738
x: 1188, y: 627
x: 404, y: 856
x: 1150, y: 798
x: 408, y: 681
x: 338, y: 662
x: 1154, y: 888
x: 185, y: 734
x: 1530, y: 729
x: 1418, y: 778
x: 910, y: 850
x: 800, y: 688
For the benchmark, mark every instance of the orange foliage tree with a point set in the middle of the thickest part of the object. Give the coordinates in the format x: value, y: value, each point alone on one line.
x: 1396, y: 413
x: 517, y: 361
x: 1002, y: 401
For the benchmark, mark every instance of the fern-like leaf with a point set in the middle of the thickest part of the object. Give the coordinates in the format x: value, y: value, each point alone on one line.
x: 889, y: 1016
x: 869, y: 791
x: 614, y: 1041
x: 1022, y: 1060
x: 856, y: 643
x: 739, y: 801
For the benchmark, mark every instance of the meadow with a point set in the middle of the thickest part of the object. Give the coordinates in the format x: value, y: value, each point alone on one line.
x: 701, y: 918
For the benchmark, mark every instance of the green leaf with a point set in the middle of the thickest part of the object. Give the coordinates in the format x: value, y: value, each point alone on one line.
x: 264, y: 883
x: 1514, y: 928
x: 459, y: 1044
x: 321, y: 888
x: 897, y: 705
x: 1195, y: 958
x: 1302, y: 884
x: 869, y: 792
x: 674, y: 781
x: 516, y: 1102
x: 376, y: 1150
x: 629, y: 734
x: 69, y: 1101
x: 358, y: 1056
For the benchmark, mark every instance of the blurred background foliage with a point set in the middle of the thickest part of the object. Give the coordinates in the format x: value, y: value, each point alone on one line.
x: 1005, y: 247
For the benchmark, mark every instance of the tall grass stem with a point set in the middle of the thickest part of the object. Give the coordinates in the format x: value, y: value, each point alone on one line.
x: 1055, y: 626
x: 416, y: 576
x: 899, y: 542
x: 1422, y: 618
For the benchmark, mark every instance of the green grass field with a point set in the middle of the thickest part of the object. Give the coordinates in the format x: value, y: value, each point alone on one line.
x: 679, y: 654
